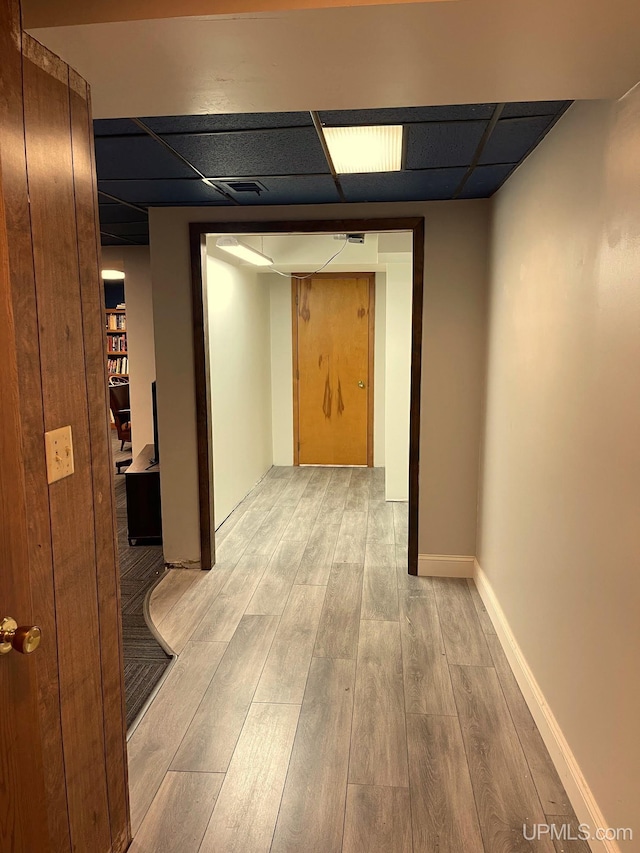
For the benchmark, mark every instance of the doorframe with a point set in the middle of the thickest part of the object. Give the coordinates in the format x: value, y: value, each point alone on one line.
x: 295, y: 289
x: 197, y: 238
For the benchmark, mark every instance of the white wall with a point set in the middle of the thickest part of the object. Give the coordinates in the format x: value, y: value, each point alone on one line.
x: 134, y: 262
x: 379, y: 390
x: 559, y: 531
x: 454, y: 293
x: 281, y: 368
x: 397, y: 381
x: 240, y: 382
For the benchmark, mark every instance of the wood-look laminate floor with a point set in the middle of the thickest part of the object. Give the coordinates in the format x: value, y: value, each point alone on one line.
x: 325, y: 701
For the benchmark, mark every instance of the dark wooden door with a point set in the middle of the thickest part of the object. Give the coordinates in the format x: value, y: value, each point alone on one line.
x: 333, y: 369
x: 59, y: 568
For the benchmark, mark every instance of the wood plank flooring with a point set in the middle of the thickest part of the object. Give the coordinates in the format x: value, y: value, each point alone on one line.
x: 326, y: 702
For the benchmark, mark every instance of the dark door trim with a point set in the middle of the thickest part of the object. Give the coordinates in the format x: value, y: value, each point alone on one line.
x: 197, y: 234
x: 295, y: 293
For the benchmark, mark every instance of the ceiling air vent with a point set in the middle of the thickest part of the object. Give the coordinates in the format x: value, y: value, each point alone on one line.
x: 244, y: 186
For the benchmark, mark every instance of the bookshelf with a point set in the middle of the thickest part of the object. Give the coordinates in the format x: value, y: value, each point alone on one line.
x: 117, y: 350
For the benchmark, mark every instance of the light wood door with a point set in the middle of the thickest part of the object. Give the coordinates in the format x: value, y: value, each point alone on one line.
x: 333, y: 328
x: 62, y: 737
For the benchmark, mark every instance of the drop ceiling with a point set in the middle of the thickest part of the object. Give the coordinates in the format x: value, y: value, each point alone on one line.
x: 462, y: 151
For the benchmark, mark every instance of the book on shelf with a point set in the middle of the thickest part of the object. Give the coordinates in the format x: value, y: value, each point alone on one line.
x: 116, y: 322
x: 119, y: 365
x: 116, y: 343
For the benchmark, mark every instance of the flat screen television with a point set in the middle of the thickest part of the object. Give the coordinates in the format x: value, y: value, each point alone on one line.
x: 156, y: 444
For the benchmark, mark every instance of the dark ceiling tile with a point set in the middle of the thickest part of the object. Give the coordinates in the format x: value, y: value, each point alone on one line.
x: 107, y: 239
x: 126, y: 229
x: 485, y: 180
x: 188, y: 191
x: 279, y: 152
x: 115, y: 127
x: 315, y: 189
x: 404, y: 115
x: 238, y: 121
x: 120, y: 213
x: 442, y: 144
x: 136, y: 157
x: 522, y: 109
x: 402, y: 186
x: 513, y: 138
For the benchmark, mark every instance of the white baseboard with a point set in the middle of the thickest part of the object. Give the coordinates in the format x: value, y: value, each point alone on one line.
x: 445, y: 566
x: 576, y: 786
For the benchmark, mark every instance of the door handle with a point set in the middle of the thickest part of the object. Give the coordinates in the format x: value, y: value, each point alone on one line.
x: 24, y: 639
x: 361, y: 384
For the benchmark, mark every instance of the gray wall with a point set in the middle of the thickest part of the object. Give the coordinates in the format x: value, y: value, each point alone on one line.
x: 559, y: 532
x: 454, y: 313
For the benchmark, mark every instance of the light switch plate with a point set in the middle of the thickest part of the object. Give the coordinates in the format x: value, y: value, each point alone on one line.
x: 59, y: 452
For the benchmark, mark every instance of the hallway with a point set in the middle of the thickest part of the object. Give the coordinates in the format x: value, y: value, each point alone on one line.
x: 324, y: 700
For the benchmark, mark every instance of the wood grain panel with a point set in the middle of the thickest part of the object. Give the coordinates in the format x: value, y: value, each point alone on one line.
x: 245, y: 815
x: 378, y: 737
x: 340, y: 620
x: 58, y: 293
x: 211, y: 738
x: 157, y: 738
x: 427, y: 684
x: 285, y: 673
x: 23, y: 820
x: 179, y: 814
x: 31, y: 407
x: 380, y: 589
x: 545, y: 776
x: 273, y: 590
x: 504, y: 791
x: 333, y: 343
x: 464, y: 639
x: 315, y: 566
x: 312, y: 809
x: 377, y: 820
x: 442, y: 803
x: 106, y: 557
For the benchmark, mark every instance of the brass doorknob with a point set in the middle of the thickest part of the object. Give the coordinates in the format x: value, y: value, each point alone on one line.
x: 361, y: 384
x: 23, y: 639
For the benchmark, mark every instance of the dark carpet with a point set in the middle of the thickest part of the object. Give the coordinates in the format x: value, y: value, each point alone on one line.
x: 140, y: 567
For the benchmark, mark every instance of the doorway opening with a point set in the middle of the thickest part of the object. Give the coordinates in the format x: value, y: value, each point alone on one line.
x: 301, y: 277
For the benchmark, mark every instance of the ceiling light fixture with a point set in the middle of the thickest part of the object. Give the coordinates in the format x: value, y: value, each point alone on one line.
x: 112, y: 275
x: 243, y: 251
x: 375, y: 148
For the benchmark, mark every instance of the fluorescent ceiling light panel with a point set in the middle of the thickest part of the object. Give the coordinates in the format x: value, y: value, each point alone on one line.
x: 376, y: 148
x: 112, y: 275
x: 243, y: 251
